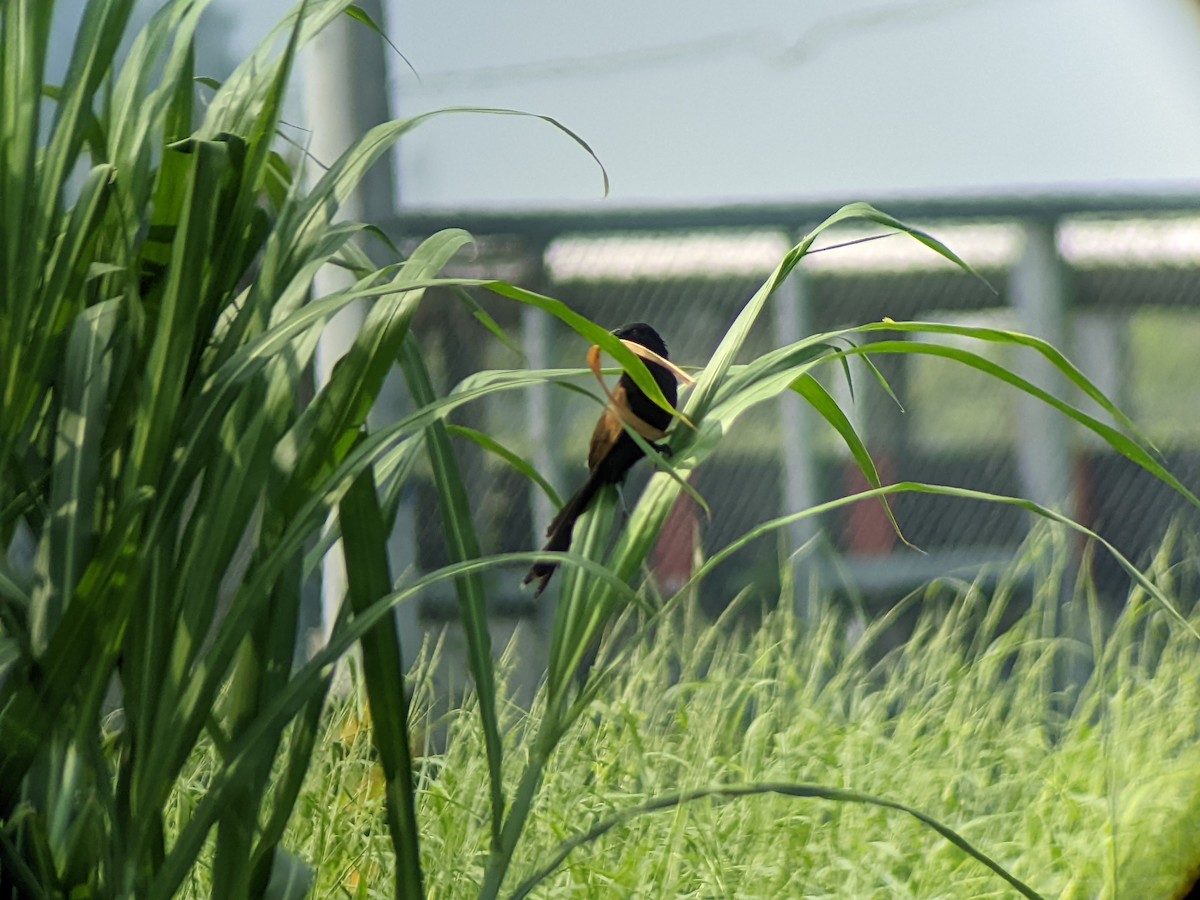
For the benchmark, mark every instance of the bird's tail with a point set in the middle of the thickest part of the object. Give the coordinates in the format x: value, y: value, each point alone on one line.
x: 558, y: 535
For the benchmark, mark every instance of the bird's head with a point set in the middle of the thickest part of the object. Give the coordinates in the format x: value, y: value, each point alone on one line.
x: 641, y: 333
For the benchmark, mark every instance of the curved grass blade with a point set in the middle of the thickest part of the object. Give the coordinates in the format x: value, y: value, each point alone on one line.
x: 82, y: 649
x: 287, y: 787
x: 1122, y: 443
x: 821, y: 400
x: 1038, y: 345
x: 392, y: 471
x: 484, y: 318
x: 879, y: 377
x: 85, y: 387
x: 629, y: 361
x: 713, y: 376
x: 347, y: 171
x: 336, y: 414
x: 734, y: 791
x: 522, y: 465
x: 945, y: 491
x: 358, y: 14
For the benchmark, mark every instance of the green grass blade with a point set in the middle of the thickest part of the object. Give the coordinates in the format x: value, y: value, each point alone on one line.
x: 344, y: 175
x: 580, y: 611
x: 82, y: 650
x: 171, y: 349
x: 522, y: 465
x: 1128, y: 447
x: 734, y: 791
x: 62, y: 294
x: 13, y: 588
x: 334, y: 417
x: 149, y: 89
x: 24, y: 37
x: 231, y: 488
x: 462, y: 544
x: 22, y: 881
x: 712, y: 377
x: 100, y: 32
x: 81, y: 423
x: 286, y: 789
x: 368, y: 574
x: 1040, y: 346
x: 56, y: 303
x: 484, y: 318
x: 629, y: 361
x: 360, y: 15
x: 945, y: 491
x: 392, y: 470
x: 871, y: 214
x: 821, y: 400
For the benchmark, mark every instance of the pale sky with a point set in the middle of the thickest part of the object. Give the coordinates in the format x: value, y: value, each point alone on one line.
x: 706, y: 102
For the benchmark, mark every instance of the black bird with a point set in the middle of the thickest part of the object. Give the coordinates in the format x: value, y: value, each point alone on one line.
x: 613, y: 451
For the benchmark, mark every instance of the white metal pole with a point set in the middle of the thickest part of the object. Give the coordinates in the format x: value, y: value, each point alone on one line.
x: 1039, y: 295
x: 345, y: 94
x: 797, y: 424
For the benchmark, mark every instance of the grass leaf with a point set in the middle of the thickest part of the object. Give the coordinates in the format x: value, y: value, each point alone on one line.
x: 734, y: 791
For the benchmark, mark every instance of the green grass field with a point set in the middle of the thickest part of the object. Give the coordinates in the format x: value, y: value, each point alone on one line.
x: 1066, y: 747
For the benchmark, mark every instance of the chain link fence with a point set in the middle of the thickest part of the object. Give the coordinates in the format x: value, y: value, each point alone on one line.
x: 1118, y: 292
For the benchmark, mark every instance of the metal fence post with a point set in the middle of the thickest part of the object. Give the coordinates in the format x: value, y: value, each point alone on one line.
x: 792, y: 321
x: 345, y: 94
x: 1039, y: 296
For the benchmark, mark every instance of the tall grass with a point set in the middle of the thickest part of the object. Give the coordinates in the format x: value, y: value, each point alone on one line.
x: 156, y: 333
x: 157, y: 324
x: 1058, y: 736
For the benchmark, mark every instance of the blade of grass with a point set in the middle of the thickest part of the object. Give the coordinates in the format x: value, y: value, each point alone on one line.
x: 713, y: 375
x: 820, y: 400
x: 368, y: 575
x: 734, y: 791
x: 1038, y: 345
x: 945, y: 491
x: 462, y: 544
x: 85, y: 387
x: 522, y: 465
x: 1126, y: 446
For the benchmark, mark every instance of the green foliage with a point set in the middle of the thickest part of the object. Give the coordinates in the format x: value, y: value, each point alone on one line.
x: 162, y: 454
x: 156, y: 331
x: 1057, y: 738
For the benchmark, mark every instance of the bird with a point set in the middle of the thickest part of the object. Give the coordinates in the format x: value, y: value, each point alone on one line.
x: 613, y: 451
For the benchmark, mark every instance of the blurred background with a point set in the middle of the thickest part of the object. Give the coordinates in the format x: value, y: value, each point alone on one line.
x: 1052, y: 144
x: 703, y: 102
